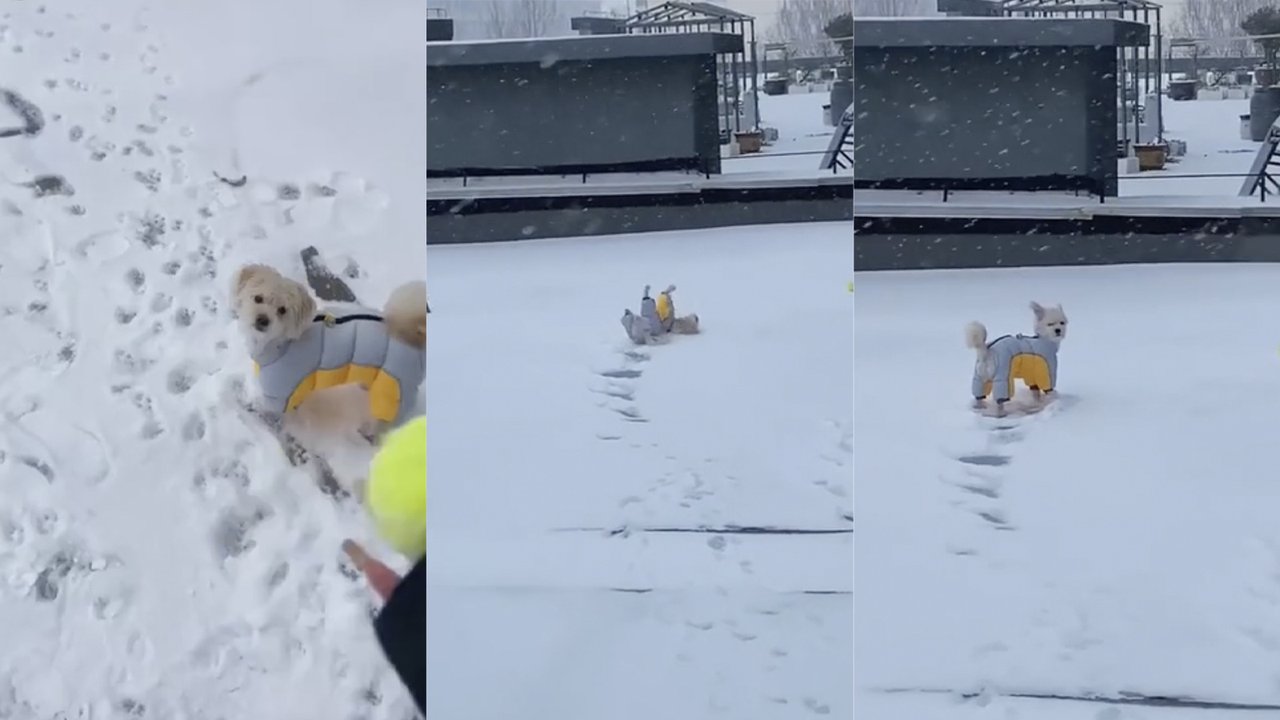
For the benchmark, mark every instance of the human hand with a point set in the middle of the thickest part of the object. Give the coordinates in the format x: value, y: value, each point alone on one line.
x: 381, y: 578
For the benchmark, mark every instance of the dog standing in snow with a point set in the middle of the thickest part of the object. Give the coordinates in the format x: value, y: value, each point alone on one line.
x: 1033, y: 359
x: 657, y: 319
x: 350, y: 369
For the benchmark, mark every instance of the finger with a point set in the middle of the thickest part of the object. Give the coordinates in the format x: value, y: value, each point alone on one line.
x: 381, y: 578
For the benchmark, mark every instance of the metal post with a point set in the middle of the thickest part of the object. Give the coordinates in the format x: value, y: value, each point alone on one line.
x: 755, y: 75
x: 736, y: 62
x: 1159, y: 91
x: 1137, y: 95
x: 1119, y: 84
x: 1146, y: 53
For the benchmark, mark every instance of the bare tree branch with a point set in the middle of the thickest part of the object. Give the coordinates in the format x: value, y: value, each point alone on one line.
x: 1216, y: 19
x: 522, y: 18
x: 800, y: 24
x: 893, y: 8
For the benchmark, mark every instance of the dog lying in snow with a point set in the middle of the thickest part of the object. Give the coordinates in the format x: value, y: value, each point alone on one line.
x: 1033, y: 359
x: 657, y: 319
x: 353, y: 369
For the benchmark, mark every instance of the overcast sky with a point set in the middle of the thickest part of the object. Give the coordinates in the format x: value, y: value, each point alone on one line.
x: 762, y: 9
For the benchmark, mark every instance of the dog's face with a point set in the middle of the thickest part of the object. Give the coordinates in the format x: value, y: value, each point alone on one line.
x: 270, y: 306
x: 1050, y: 322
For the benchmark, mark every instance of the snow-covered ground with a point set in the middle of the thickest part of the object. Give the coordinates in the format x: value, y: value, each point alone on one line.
x: 582, y: 557
x: 1125, y: 541
x: 158, y: 555
x: 802, y: 135
x: 1211, y: 129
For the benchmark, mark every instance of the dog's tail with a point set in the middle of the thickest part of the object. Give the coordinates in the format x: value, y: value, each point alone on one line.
x: 406, y: 314
x: 975, y: 336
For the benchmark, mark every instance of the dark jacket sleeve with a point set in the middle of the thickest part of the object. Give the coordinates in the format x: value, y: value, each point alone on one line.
x: 401, y: 628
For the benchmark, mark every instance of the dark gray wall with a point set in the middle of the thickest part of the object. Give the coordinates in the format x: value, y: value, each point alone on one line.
x: 993, y: 33
x: 985, y: 113
x: 531, y: 218
x: 572, y: 113
x: 902, y: 243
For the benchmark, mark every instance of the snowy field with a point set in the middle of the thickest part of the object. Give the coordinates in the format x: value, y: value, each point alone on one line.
x: 159, y: 557
x: 583, y: 555
x: 1123, y: 542
x: 1211, y: 129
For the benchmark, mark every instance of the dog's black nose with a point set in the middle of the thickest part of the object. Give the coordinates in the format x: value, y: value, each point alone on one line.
x: 261, y: 322
x: 1057, y: 331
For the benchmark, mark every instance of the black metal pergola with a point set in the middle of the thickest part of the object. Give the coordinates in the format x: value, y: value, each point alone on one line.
x: 732, y: 69
x: 1133, y: 65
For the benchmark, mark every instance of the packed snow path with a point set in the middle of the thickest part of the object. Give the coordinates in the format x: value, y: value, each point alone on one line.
x: 640, y: 532
x: 1122, y: 545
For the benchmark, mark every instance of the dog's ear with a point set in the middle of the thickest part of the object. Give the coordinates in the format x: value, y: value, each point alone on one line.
x: 301, y: 310
x: 306, y: 306
x: 247, y: 273
x: 1037, y: 309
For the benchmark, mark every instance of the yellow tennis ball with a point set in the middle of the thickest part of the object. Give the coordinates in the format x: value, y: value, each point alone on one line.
x: 396, y: 493
x: 850, y: 286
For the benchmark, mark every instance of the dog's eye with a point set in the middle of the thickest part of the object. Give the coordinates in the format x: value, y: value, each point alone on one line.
x: 280, y: 311
x: 257, y: 299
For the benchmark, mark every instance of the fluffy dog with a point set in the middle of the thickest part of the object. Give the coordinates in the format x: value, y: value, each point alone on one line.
x: 1033, y: 359
x: 353, y: 369
x: 657, y: 319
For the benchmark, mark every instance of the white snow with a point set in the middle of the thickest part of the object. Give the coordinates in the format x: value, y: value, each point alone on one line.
x: 197, y: 573
x: 1128, y: 543
x: 160, y: 558
x: 544, y: 418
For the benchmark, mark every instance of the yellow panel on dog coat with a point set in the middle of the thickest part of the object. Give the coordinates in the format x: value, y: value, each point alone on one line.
x: 664, y: 307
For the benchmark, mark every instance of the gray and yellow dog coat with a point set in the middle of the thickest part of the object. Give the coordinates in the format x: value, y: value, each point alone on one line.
x: 656, y: 317
x: 1029, y: 358
x: 343, y: 350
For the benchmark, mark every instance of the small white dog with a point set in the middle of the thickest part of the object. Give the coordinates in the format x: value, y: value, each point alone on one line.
x: 1033, y: 359
x: 351, y: 368
x: 657, y: 319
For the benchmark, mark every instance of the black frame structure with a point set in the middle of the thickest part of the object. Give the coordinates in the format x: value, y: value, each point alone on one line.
x: 732, y: 69
x: 439, y: 25
x: 1134, y: 66
x: 1194, y: 45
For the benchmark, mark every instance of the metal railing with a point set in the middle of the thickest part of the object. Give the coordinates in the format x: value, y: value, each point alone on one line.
x: 1263, y: 191
x: 465, y: 178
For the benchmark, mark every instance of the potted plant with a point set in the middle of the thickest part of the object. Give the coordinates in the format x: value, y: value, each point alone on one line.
x: 1151, y: 156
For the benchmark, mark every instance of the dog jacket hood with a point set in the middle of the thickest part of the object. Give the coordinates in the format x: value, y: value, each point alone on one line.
x: 1030, y: 358
x: 340, y: 350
